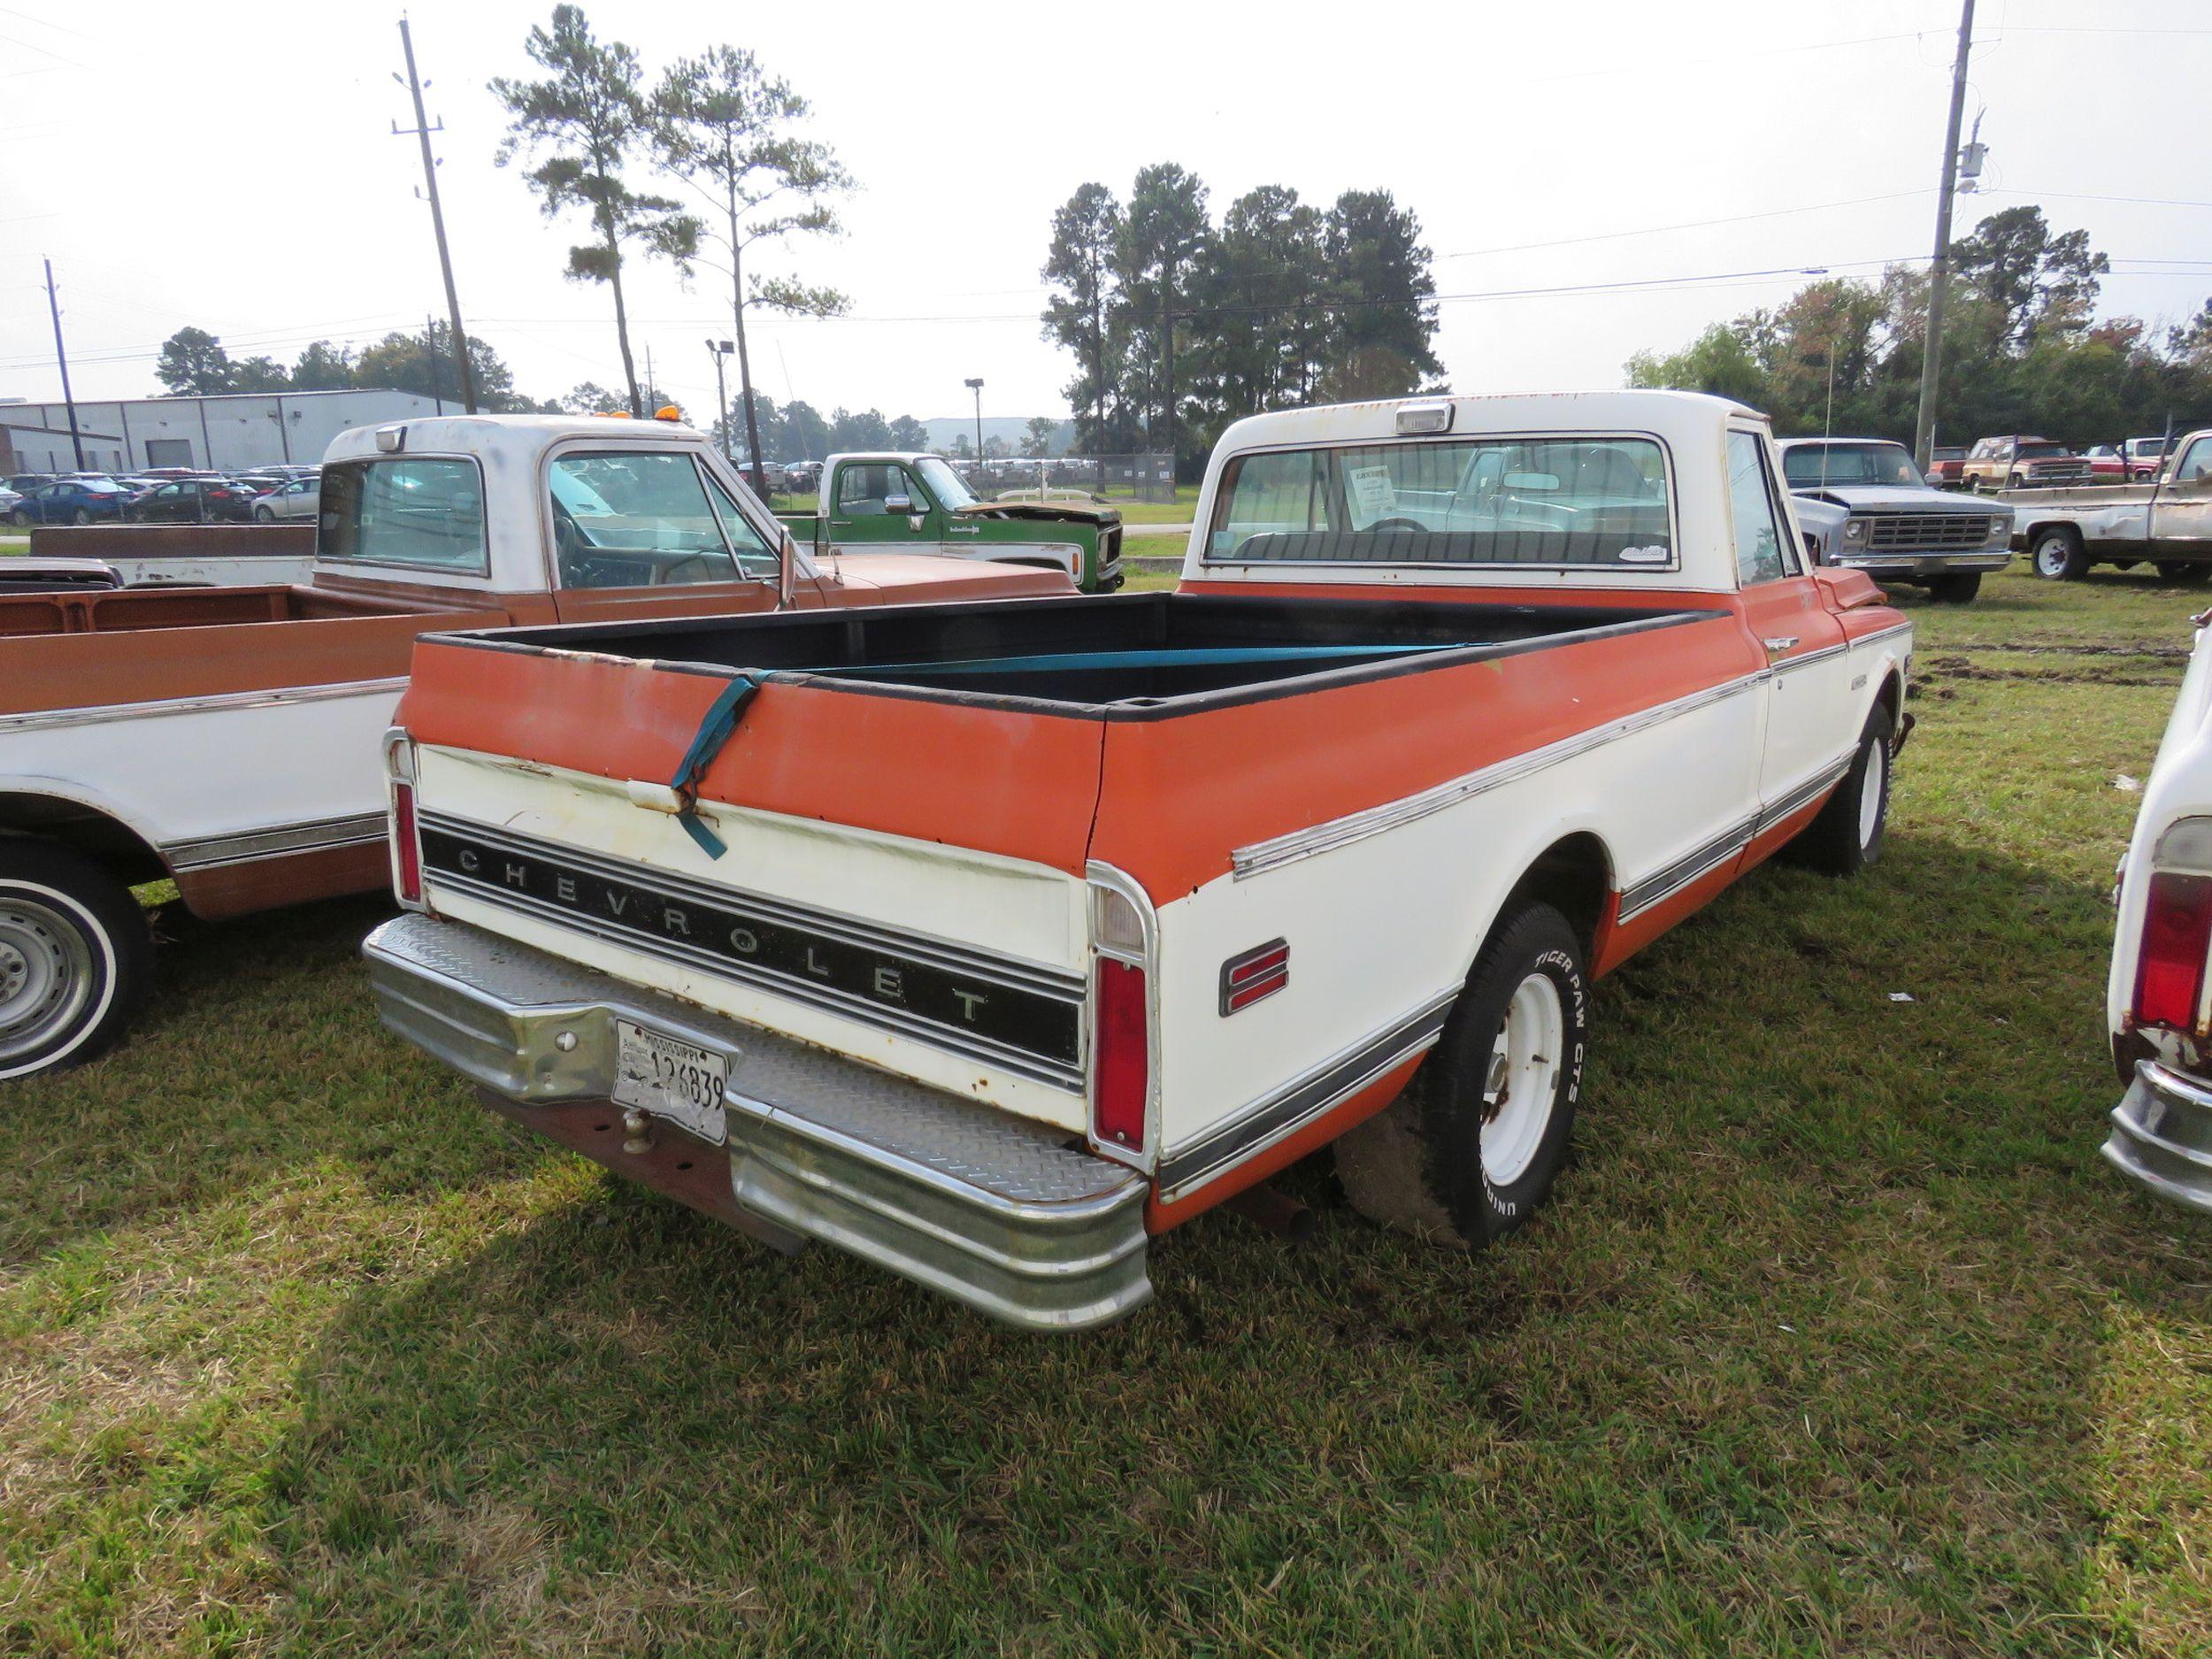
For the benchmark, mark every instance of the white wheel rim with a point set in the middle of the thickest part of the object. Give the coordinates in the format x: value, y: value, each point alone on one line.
x: 46, y: 975
x: 2050, y: 557
x: 1524, y: 1076
x: 1870, y: 781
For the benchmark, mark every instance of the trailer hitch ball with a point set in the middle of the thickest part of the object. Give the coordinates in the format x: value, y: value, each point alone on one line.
x: 636, y: 1131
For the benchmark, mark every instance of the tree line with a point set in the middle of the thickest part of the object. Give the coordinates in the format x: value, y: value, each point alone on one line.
x: 2021, y: 349
x: 1180, y: 323
x: 194, y: 364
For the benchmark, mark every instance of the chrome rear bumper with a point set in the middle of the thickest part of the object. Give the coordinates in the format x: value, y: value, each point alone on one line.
x: 993, y: 1210
x: 2161, y: 1135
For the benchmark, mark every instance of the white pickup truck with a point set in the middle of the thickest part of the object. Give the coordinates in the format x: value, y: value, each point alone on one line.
x: 2167, y: 522
x: 227, y: 737
x: 990, y: 941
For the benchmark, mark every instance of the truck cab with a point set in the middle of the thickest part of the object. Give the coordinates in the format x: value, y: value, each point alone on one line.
x: 910, y: 502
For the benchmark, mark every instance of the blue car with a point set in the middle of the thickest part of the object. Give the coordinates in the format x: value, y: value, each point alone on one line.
x: 70, y: 500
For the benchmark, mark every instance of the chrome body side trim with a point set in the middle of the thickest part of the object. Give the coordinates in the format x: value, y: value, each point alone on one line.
x: 99, y: 714
x: 1269, y: 1120
x: 247, y: 846
x: 1260, y: 856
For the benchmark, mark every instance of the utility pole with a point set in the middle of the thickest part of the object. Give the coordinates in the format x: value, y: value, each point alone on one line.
x: 422, y: 129
x: 1924, y: 435
x: 649, y: 378
x: 61, y: 357
x: 976, y: 386
x: 430, y: 350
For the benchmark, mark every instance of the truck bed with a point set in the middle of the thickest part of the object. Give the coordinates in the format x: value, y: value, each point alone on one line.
x: 1140, y: 656
x: 74, y: 651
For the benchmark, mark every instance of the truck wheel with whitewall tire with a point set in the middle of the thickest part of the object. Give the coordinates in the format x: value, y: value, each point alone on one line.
x: 1846, y: 835
x: 2182, y: 572
x: 1470, y: 1148
x: 75, y: 957
x: 2057, y: 554
x: 1958, y: 589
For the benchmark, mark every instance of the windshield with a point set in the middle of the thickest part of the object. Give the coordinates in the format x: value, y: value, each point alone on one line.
x: 1600, y: 502
x: 1811, y: 465
x: 2042, y: 449
x: 952, y: 494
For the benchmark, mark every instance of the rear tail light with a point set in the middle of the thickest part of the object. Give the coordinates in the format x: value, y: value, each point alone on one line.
x: 1121, y: 1016
x: 2177, y: 937
x: 399, y: 766
x: 1122, y: 1071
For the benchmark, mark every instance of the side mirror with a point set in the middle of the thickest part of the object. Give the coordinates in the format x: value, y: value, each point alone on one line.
x: 898, y: 503
x: 786, y: 570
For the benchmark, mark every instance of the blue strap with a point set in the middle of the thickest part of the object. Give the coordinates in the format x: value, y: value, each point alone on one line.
x: 722, y: 716
x: 1165, y: 657
x: 714, y: 731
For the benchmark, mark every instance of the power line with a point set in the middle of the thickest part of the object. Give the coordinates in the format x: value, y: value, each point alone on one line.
x: 1692, y: 224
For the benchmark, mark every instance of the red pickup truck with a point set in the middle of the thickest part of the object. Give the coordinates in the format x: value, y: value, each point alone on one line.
x: 991, y: 942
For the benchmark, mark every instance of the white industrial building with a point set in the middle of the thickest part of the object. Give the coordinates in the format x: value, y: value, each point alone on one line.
x: 224, y: 432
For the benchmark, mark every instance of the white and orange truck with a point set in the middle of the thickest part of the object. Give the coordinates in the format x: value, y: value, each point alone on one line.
x: 228, y: 737
x: 989, y: 943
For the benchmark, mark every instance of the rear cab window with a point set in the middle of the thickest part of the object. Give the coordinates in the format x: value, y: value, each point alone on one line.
x: 421, y: 513
x: 1598, y: 501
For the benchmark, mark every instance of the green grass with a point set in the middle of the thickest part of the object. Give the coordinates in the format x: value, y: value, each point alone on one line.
x: 1837, y: 1338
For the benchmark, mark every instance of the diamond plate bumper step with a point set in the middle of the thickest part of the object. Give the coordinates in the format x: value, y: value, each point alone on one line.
x: 991, y: 1210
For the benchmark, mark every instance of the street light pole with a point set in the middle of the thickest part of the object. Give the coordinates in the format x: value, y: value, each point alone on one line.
x: 1923, y: 434
x: 720, y: 351
x: 976, y: 386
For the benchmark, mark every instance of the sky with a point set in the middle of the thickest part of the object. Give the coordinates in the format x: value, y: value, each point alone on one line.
x: 1594, y: 178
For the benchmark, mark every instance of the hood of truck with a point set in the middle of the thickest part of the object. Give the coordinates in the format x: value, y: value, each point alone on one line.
x: 1890, y: 498
x: 1043, y: 512
x: 906, y: 578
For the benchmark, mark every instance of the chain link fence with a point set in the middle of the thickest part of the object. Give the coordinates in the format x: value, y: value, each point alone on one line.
x: 1102, y: 477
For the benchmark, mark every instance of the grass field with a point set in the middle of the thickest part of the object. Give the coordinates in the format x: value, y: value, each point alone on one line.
x: 1837, y: 1338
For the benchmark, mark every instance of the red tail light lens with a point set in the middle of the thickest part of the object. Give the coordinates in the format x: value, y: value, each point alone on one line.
x: 2176, y: 934
x: 406, y: 847
x: 1122, y: 1062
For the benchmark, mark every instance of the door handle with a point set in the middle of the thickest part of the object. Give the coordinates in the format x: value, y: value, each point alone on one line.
x: 1776, y: 647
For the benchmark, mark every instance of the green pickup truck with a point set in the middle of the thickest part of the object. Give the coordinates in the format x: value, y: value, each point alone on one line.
x: 917, y: 503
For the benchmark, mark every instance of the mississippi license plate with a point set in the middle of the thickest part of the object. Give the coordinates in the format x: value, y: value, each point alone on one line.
x: 670, y: 1078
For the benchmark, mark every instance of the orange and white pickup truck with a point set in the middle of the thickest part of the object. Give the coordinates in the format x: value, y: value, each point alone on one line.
x: 989, y: 943
x: 229, y: 737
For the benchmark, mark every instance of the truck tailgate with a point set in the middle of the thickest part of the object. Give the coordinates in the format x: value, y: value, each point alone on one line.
x: 903, y: 879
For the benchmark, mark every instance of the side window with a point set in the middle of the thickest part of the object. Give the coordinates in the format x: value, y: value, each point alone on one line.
x: 755, y: 557
x: 2196, y: 466
x: 635, y: 520
x: 862, y: 490
x: 1761, y: 539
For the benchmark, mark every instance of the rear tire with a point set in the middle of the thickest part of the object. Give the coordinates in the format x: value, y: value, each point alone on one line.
x: 21, y: 518
x: 2058, y: 555
x: 75, y: 958
x: 82, y: 517
x: 1958, y: 589
x: 1471, y: 1148
x: 263, y: 515
x: 2182, y: 572
x: 1846, y: 835
x: 2015, y: 482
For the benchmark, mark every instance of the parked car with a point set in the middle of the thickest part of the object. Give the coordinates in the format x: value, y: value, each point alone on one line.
x: 228, y: 738
x: 194, y: 501
x: 1946, y: 464
x: 901, y: 502
x: 258, y: 483
x: 2107, y: 464
x: 2144, y: 456
x: 987, y: 942
x: 8, y: 498
x: 2017, y: 462
x: 2167, y: 523
x: 295, y: 498
x: 70, y: 501
x: 1866, y: 505
x: 2155, y: 1015
x: 799, y: 476
x: 23, y: 483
